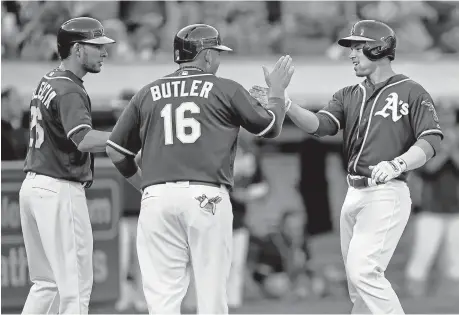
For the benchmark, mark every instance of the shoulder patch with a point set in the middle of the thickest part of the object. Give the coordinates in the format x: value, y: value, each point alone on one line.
x: 431, y: 108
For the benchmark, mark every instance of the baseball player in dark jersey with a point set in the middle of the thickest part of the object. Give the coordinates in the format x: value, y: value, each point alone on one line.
x: 59, y: 165
x: 390, y: 127
x: 186, y: 125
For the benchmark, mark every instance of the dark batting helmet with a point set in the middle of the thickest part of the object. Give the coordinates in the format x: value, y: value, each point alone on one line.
x: 81, y: 30
x: 379, y: 39
x: 192, y: 39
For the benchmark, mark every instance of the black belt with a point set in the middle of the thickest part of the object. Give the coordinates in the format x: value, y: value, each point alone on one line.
x: 359, y: 181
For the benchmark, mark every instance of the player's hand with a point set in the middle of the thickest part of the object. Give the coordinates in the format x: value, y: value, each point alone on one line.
x: 386, y: 170
x: 281, y: 75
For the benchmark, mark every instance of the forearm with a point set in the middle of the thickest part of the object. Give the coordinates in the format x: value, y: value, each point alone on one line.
x: 436, y: 163
x: 303, y: 118
x: 416, y: 156
x: 94, y: 141
x: 127, y: 166
x: 136, y: 179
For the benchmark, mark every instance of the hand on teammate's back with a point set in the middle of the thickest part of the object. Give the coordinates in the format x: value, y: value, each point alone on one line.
x: 280, y: 76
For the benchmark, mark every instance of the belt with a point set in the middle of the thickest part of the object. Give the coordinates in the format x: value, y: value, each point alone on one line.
x: 192, y: 182
x: 84, y: 184
x: 360, y: 181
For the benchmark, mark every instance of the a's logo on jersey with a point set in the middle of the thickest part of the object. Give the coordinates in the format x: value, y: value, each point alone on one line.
x: 393, y: 104
x: 431, y: 109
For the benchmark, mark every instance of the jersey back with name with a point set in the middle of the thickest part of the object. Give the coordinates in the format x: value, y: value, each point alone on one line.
x: 50, y: 151
x: 188, y: 130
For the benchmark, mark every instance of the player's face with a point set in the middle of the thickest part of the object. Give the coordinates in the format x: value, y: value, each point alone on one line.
x: 363, y: 67
x: 92, y: 57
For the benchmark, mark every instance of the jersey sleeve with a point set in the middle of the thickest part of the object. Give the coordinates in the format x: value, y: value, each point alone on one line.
x: 423, y: 117
x: 331, y: 117
x: 125, y: 137
x: 74, y: 113
x: 251, y: 114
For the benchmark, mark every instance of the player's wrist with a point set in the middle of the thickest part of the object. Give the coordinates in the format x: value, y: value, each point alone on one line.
x: 276, y: 92
x: 399, y: 164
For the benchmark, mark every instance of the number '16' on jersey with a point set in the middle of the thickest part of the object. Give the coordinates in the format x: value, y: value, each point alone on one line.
x: 187, y: 125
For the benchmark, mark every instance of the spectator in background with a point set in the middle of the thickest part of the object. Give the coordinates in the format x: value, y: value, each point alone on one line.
x: 40, y: 22
x: 282, y: 261
x: 131, y: 290
x: 144, y: 22
x: 438, y: 221
x: 14, y: 142
x: 443, y: 26
x: 10, y: 28
x: 249, y: 185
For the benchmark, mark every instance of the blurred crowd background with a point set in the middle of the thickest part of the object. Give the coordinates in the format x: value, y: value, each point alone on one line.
x: 142, y: 28
x: 296, y: 255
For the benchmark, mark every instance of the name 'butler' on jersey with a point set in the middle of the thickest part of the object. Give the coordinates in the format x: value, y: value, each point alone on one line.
x: 183, y: 88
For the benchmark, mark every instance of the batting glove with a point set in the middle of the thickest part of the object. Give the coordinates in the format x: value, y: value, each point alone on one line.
x: 386, y: 170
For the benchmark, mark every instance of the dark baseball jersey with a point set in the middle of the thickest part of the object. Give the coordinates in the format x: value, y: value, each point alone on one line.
x: 59, y: 110
x: 379, y: 122
x: 187, y: 125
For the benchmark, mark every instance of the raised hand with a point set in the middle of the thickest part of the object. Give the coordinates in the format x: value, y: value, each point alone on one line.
x: 280, y: 76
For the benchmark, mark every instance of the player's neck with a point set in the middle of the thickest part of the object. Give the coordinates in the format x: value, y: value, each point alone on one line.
x: 67, y: 65
x: 381, y: 74
x: 191, y: 66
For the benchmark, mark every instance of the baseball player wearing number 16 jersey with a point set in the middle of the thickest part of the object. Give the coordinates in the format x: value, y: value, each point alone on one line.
x: 390, y: 127
x: 186, y: 125
x: 54, y: 214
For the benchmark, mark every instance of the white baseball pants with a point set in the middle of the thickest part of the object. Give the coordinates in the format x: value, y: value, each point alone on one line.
x: 175, y: 233
x: 59, y: 245
x: 372, y: 221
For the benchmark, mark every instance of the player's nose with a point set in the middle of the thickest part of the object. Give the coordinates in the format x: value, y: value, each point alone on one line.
x: 103, y: 52
x: 352, y: 54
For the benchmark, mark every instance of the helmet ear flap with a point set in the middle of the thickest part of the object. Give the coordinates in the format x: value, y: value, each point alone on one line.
x: 386, y: 48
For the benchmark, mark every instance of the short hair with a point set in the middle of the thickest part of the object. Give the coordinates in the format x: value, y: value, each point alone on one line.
x: 64, y: 50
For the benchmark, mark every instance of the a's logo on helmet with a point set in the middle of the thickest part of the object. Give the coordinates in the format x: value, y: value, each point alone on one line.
x: 98, y: 33
x: 362, y: 31
x: 177, y: 54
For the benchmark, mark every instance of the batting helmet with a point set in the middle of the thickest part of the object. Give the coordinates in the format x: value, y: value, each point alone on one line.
x: 192, y: 39
x: 81, y: 30
x: 379, y: 39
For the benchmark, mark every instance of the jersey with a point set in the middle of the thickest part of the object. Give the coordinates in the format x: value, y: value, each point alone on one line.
x: 380, y: 122
x: 59, y: 109
x: 187, y: 125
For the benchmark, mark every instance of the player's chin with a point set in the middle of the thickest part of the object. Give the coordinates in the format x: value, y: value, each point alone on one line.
x: 360, y: 73
x: 95, y: 68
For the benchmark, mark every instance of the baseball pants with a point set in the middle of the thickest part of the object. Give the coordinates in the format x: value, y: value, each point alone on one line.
x: 176, y: 236
x: 372, y: 221
x: 236, y: 281
x: 59, y: 245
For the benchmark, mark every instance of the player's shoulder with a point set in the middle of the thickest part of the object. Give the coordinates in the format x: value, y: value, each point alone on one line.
x: 415, y: 87
x: 228, y: 85
x: 63, y: 83
x: 347, y: 91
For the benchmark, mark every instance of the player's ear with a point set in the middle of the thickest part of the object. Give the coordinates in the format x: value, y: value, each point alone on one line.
x: 77, y: 49
x: 208, y: 56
